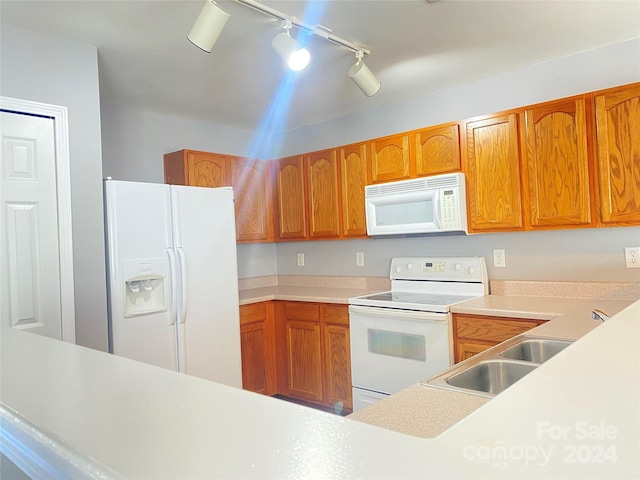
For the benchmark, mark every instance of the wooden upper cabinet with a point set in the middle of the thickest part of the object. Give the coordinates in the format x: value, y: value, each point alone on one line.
x: 493, y: 173
x: 390, y: 158
x: 436, y: 149
x: 618, y: 151
x: 196, y: 169
x: 323, y: 194
x: 353, y: 171
x: 254, y: 213
x: 556, y: 168
x: 290, y: 198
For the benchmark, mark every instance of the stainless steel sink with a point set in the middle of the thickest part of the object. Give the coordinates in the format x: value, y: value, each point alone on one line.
x: 491, y: 376
x: 494, y: 370
x: 536, y: 350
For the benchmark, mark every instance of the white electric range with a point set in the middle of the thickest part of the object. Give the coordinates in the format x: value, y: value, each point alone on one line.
x: 403, y: 336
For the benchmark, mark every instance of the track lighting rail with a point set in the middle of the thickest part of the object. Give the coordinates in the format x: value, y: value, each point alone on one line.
x: 318, y: 30
x: 212, y: 19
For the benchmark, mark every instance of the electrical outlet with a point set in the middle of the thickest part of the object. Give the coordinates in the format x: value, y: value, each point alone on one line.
x: 632, y: 257
x: 301, y: 259
x: 359, y: 259
x: 499, y: 259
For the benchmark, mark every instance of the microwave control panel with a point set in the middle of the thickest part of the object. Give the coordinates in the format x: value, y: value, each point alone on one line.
x: 450, y: 209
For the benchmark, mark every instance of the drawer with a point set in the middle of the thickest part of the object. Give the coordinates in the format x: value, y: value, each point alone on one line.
x: 491, y: 329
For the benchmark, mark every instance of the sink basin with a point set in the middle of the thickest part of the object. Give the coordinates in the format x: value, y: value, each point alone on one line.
x: 490, y: 376
x: 496, y: 369
x: 537, y: 350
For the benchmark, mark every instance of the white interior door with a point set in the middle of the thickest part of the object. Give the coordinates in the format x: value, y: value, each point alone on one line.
x: 29, y: 261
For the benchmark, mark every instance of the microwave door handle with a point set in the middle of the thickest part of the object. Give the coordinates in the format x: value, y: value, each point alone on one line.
x: 436, y: 210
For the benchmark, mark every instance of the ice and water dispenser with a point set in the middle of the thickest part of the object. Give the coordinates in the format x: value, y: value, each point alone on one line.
x: 145, y: 286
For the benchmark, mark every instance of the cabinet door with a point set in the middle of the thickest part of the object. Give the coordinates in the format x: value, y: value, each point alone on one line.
x: 390, y: 159
x: 493, y: 174
x: 618, y: 146
x: 557, y: 163
x: 465, y: 349
x: 437, y: 149
x: 258, y: 348
x: 299, y: 350
x: 337, y: 357
x: 196, y: 169
x: 207, y: 170
x: 353, y: 170
x: 290, y: 202
x: 323, y: 194
x: 305, y: 360
x: 250, y: 181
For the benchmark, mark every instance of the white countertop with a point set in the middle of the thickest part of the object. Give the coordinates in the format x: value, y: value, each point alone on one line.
x: 141, y: 421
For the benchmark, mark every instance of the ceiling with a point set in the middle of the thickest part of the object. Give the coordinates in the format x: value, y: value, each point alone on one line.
x: 145, y: 60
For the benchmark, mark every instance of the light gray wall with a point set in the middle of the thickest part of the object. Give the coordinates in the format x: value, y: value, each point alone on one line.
x: 567, y: 255
x: 257, y: 260
x: 135, y: 140
x: 56, y: 71
x: 571, y: 75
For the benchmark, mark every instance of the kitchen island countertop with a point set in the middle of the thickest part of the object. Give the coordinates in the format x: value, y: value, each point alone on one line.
x: 575, y: 416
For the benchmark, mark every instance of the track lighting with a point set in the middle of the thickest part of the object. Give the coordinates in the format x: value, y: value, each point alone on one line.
x: 212, y: 20
x: 363, y: 77
x: 208, y: 26
x: 296, y: 58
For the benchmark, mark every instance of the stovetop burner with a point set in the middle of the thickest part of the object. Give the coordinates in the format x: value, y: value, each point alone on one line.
x: 419, y: 298
x: 430, y: 284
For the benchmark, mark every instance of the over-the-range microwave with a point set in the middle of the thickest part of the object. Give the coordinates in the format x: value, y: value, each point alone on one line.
x: 434, y: 204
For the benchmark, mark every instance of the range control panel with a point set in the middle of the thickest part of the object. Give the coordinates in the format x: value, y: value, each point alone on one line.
x: 456, y: 269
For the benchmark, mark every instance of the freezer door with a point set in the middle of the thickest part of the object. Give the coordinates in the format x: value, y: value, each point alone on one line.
x: 139, y: 268
x: 208, y: 307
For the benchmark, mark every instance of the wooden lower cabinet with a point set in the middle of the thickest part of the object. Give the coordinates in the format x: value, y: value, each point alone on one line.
x: 476, y: 333
x: 257, y: 343
x: 337, y: 354
x: 312, y: 350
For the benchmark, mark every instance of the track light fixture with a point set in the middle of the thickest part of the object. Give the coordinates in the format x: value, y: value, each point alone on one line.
x: 363, y: 77
x: 212, y: 20
x: 296, y: 58
x: 208, y: 26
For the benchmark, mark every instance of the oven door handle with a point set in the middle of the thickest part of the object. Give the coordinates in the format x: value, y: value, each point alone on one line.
x: 396, y: 313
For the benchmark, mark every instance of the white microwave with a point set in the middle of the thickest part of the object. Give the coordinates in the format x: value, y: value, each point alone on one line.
x: 434, y: 204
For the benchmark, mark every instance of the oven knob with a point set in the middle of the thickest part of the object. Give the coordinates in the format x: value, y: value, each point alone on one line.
x: 409, y: 266
x: 458, y: 267
x: 471, y: 270
x: 398, y: 269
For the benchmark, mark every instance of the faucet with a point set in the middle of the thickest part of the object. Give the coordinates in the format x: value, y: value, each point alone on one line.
x: 599, y: 315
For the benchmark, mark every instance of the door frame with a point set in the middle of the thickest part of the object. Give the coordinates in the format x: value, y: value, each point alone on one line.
x: 60, y: 117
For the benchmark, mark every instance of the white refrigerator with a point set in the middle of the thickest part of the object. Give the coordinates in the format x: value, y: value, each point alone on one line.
x: 172, y: 277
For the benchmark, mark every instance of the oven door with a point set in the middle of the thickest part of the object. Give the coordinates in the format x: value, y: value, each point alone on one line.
x: 392, y: 349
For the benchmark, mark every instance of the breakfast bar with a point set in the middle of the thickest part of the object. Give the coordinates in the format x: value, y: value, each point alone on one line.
x: 101, y: 416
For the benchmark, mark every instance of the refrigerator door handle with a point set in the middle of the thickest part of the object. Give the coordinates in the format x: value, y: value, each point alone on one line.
x: 173, y: 287
x: 183, y: 285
